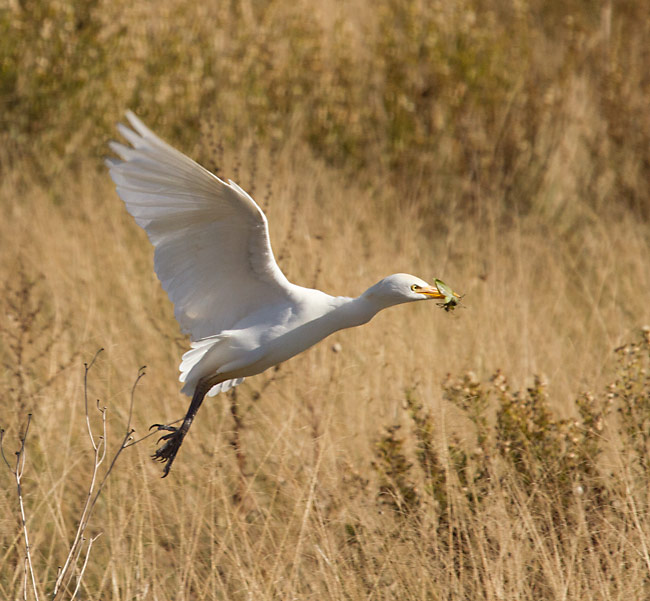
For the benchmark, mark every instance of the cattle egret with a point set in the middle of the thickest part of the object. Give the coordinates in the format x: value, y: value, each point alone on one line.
x: 214, y: 259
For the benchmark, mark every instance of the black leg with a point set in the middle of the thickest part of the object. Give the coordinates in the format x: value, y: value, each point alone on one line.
x: 167, y: 452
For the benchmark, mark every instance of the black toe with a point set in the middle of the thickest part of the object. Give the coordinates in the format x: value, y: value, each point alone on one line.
x: 167, y: 452
x: 163, y: 427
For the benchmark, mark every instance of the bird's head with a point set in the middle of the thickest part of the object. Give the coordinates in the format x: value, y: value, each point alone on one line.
x: 401, y: 288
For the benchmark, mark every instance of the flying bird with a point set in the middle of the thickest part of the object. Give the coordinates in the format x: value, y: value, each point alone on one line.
x: 213, y: 257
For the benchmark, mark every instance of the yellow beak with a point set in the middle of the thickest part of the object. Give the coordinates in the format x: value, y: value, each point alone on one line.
x: 431, y: 291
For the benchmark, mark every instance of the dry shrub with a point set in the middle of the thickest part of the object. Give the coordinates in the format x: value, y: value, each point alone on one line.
x: 564, y: 501
x: 537, y: 105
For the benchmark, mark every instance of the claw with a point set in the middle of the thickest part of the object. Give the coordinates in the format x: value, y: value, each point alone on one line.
x: 163, y: 427
x: 167, y: 436
x: 167, y: 453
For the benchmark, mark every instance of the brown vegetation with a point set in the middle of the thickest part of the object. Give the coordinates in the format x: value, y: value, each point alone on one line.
x: 499, y: 452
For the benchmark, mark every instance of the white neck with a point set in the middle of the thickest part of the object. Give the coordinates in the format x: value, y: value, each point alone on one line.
x: 357, y: 311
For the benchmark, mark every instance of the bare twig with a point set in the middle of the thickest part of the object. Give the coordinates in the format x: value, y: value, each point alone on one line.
x: 2, y: 450
x: 99, y: 445
x: 83, y: 568
x: 66, y: 573
x: 141, y: 374
x: 87, y: 368
x: 17, y: 471
x: 130, y: 443
x: 25, y: 571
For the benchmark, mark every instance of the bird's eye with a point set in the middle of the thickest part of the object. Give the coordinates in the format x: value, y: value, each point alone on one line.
x: 415, y: 287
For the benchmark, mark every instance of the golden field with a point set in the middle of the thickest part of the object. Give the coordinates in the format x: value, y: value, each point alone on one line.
x: 496, y: 452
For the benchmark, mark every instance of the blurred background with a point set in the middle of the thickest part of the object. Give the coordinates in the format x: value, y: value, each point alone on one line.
x: 502, y: 147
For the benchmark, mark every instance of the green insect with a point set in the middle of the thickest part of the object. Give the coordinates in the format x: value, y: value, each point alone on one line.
x: 452, y: 300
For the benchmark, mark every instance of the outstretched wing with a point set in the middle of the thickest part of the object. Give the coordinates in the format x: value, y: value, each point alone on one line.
x: 213, y: 254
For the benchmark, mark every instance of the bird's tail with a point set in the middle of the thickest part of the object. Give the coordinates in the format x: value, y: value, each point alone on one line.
x: 192, y: 358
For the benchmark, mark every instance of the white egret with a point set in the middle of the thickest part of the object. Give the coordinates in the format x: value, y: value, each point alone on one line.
x: 214, y: 259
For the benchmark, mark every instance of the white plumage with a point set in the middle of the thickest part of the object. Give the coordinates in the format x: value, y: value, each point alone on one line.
x: 214, y: 259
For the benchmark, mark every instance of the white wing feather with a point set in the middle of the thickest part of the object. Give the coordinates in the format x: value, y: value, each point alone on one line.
x: 212, y: 249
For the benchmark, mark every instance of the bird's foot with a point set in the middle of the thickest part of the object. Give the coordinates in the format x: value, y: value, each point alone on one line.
x: 167, y: 453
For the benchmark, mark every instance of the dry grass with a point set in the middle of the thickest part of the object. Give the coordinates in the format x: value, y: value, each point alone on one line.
x: 447, y: 143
